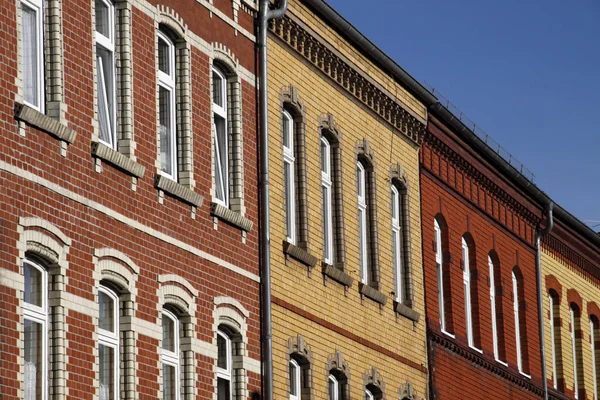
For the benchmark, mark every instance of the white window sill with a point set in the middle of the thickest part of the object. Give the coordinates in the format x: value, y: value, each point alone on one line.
x: 501, y: 362
x: 525, y: 375
x: 448, y: 334
x: 476, y: 349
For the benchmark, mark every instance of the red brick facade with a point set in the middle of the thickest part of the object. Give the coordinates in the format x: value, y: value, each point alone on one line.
x: 471, y: 200
x: 88, y: 222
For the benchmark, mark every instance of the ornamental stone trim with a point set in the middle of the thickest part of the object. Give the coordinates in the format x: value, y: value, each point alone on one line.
x: 316, y: 52
x: 177, y: 190
x: 47, y: 124
x: 299, y: 254
x: 117, y: 159
x: 231, y: 217
x: 372, y: 293
x: 336, y: 272
x: 406, y: 311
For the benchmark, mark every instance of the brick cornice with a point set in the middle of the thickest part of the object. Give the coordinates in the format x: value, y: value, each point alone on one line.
x: 321, y: 55
x: 348, y: 334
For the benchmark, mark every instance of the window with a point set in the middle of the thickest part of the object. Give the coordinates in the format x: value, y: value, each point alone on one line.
x: 334, y: 388
x: 167, y: 106
x: 108, y: 343
x: 171, y: 365
x: 224, y: 366
x: 555, y: 340
x: 295, y: 381
x: 105, y: 70
x: 373, y: 392
x: 35, y: 330
x: 595, y: 334
x: 467, y: 292
x: 369, y: 395
x: 289, y: 175
x: 576, y: 347
x: 32, y: 52
x: 221, y: 139
x: 494, y: 314
x: 520, y: 321
x: 361, y: 189
x: 441, y: 274
x: 326, y: 187
x: 398, y: 242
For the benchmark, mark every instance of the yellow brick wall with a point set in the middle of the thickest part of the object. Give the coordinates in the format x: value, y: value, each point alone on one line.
x: 290, y: 279
x: 569, y: 277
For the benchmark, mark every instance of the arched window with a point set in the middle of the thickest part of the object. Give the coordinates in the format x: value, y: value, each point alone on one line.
x: 576, y: 348
x: 221, y: 139
x: 35, y: 330
x: 520, y: 319
x: 470, y: 292
x: 108, y: 343
x: 555, y: 340
x: 372, y: 392
x: 326, y: 189
x: 496, y: 307
x: 398, y: 249
x: 106, y: 72
x: 167, y: 104
x: 467, y: 292
x: 337, y: 386
x: 224, y: 365
x: 295, y: 380
x: 171, y: 364
x: 289, y: 174
x: 334, y: 388
x: 443, y: 276
x: 594, y: 336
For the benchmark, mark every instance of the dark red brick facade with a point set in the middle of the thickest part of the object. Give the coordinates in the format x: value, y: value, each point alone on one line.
x: 101, y: 210
x: 472, y: 200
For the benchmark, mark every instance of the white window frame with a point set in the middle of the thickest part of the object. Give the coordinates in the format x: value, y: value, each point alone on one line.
x: 369, y: 395
x: 517, y: 321
x: 467, y: 290
x: 226, y: 373
x: 172, y: 358
x: 326, y: 190
x: 361, y: 191
x: 111, y: 339
x: 295, y: 376
x: 552, y: 341
x: 289, y: 160
x: 494, y: 314
x: 221, y: 111
x: 168, y: 82
x: 440, y: 275
x: 336, y: 387
x: 108, y: 44
x: 397, y: 238
x: 574, y: 350
x: 593, y: 348
x: 38, y: 7
x: 39, y: 315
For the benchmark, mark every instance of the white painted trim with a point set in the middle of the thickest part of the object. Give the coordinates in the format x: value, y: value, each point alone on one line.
x: 21, y: 173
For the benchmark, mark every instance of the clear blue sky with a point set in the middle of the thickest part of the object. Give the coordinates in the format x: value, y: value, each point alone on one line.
x: 526, y: 72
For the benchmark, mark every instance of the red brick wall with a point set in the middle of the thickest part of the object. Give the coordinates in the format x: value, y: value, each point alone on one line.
x: 473, y: 200
x: 38, y: 153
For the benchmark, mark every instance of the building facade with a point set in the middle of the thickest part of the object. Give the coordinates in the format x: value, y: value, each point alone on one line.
x: 345, y: 228
x: 129, y: 261
x: 479, y: 260
x: 570, y: 259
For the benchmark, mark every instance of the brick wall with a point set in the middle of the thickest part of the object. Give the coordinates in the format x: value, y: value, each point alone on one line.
x: 60, y: 197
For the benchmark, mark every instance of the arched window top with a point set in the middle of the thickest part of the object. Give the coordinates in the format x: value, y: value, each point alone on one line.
x: 35, y: 292
x: 108, y: 318
x: 440, y: 222
x: 329, y: 128
x: 365, y: 154
x: 493, y: 258
x: 171, y: 19
x: 468, y: 240
x: 292, y: 103
x: 225, y: 60
x: 399, y: 178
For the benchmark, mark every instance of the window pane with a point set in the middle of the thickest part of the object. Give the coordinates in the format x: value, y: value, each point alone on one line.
x: 164, y: 62
x: 293, y: 379
x: 166, y: 135
x: 222, y: 352
x: 286, y: 131
x: 332, y: 390
x: 106, y: 356
x: 107, y: 317
x: 217, y: 89
x: 223, y: 389
x: 33, y: 341
x: 33, y: 285
x: 102, y: 18
x: 221, y: 158
x: 287, y: 176
x: 169, y: 382
x: 324, y: 157
x: 105, y: 88
x: 168, y: 327
x: 29, y: 58
x: 326, y: 224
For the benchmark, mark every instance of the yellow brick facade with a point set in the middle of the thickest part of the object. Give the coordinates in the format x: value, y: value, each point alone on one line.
x: 570, y: 281
x: 329, y: 317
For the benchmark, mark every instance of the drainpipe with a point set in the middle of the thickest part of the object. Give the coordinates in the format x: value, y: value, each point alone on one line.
x: 265, y: 238
x: 538, y: 266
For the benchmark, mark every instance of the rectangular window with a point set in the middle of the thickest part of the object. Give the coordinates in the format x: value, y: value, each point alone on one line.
x: 170, y: 356
x: 440, y: 273
x: 167, y: 106
x: 108, y: 344
x: 517, y: 321
x: 32, y: 52
x: 574, y: 351
x: 105, y: 70
x: 35, y: 331
x: 221, y: 139
x: 326, y: 189
x: 493, y: 309
x: 552, y: 340
x: 361, y: 190
x: 289, y: 175
x: 397, y: 242
x: 467, y: 292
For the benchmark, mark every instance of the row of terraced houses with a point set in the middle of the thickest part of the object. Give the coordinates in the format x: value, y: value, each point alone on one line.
x: 208, y: 199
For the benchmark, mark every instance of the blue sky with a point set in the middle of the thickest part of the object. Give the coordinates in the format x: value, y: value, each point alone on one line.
x: 526, y: 72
